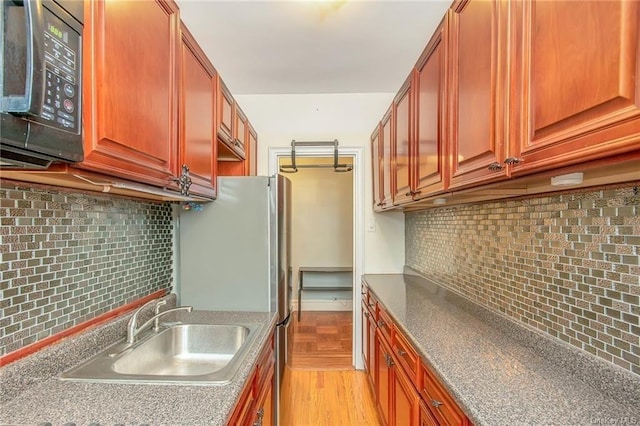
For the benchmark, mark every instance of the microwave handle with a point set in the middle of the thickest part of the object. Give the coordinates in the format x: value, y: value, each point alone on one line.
x: 30, y: 102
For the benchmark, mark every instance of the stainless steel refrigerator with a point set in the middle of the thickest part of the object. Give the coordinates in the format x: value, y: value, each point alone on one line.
x: 235, y: 254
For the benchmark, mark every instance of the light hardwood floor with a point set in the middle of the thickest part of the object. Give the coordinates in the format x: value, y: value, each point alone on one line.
x: 327, y: 398
x: 320, y: 385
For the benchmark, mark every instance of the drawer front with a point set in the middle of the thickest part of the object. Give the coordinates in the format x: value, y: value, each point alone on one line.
x: 407, y: 357
x: 441, y: 405
x: 385, y: 325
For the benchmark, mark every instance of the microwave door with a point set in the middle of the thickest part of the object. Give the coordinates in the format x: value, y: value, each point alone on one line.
x: 22, y: 74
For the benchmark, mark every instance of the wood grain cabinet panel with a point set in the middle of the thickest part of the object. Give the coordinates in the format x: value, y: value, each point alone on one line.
x: 252, y: 152
x: 197, y: 113
x: 440, y: 404
x: 403, y: 142
x: 429, y: 157
x: 130, y: 89
x: 240, y: 133
x: 387, y: 168
x: 405, y: 399
x: 225, y: 113
x: 477, y: 90
x: 376, y: 168
x: 383, y: 378
x: 577, y: 76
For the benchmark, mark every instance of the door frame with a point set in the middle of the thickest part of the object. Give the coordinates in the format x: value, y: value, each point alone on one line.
x: 275, y: 153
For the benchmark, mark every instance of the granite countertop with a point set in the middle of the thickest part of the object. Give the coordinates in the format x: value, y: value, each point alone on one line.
x: 33, y: 394
x: 500, y: 372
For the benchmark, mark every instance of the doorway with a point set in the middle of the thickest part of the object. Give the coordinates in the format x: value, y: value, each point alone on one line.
x: 320, y: 192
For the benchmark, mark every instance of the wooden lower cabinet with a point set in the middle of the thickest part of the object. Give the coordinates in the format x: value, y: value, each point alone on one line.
x: 407, y: 392
x: 425, y: 416
x: 383, y: 379
x: 255, y: 407
x: 405, y: 399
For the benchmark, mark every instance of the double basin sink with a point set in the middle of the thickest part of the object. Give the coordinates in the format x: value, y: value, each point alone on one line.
x: 184, y: 352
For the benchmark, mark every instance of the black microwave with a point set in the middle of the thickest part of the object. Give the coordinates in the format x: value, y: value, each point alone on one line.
x: 40, y: 82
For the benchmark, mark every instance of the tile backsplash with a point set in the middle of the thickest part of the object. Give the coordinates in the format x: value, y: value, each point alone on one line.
x: 69, y: 257
x: 567, y: 264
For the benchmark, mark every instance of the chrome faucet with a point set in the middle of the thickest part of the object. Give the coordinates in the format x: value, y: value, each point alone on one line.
x: 132, y: 326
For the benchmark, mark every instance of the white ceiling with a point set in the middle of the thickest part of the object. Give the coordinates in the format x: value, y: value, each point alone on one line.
x: 285, y: 47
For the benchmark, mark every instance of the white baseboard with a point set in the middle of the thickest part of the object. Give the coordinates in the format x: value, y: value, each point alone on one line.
x: 324, y: 305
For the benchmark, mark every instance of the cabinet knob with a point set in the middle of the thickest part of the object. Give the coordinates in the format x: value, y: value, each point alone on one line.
x: 513, y: 160
x: 494, y: 167
x: 381, y: 323
x: 366, y: 314
x: 436, y: 403
x: 408, y: 194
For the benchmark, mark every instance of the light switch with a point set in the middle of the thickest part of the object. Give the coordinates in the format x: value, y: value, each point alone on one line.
x: 371, y: 225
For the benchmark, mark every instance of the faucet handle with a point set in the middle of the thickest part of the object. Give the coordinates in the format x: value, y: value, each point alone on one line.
x: 159, y: 305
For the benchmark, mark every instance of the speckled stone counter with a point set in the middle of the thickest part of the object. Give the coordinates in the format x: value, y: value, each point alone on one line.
x: 502, y: 373
x: 33, y: 394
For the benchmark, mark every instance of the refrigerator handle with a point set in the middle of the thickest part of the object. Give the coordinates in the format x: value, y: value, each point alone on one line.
x: 285, y: 321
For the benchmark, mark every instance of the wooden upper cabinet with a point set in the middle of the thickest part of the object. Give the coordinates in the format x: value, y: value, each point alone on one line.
x: 225, y: 112
x: 130, y: 89
x: 197, y: 112
x: 577, y: 79
x: 403, y: 142
x: 376, y: 167
x: 478, y: 54
x: 430, y: 149
x: 240, y: 131
x: 252, y: 152
x: 387, y: 168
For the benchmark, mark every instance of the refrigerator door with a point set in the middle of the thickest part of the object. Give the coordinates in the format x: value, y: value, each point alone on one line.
x: 281, y: 270
x: 224, y: 249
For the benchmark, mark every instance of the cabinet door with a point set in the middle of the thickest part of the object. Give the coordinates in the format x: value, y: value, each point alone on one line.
x: 403, y: 143
x: 429, y: 157
x: 477, y: 90
x: 225, y: 113
x: 383, y: 379
x: 252, y: 154
x: 426, y: 418
x: 405, y: 399
x: 578, y: 82
x: 241, y: 124
x: 130, y: 69
x: 387, y: 159
x: 197, y: 138
x: 376, y: 168
x: 265, y: 402
x: 366, y: 315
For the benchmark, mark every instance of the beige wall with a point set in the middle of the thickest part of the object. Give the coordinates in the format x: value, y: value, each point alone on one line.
x: 322, y: 225
x: 350, y: 118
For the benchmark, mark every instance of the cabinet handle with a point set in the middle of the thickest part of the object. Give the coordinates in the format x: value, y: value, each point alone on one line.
x: 184, y: 181
x: 513, y: 160
x: 408, y: 194
x: 380, y: 204
x: 401, y: 352
x: 494, y: 167
x: 381, y: 323
x: 366, y: 314
x: 436, y: 403
x: 390, y: 362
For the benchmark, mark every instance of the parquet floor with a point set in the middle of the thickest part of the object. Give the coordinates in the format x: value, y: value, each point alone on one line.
x: 321, y: 341
x: 320, y: 386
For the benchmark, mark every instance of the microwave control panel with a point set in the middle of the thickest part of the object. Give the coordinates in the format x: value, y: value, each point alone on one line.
x: 61, y: 103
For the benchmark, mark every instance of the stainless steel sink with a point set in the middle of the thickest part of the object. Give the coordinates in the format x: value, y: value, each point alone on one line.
x: 181, y: 353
